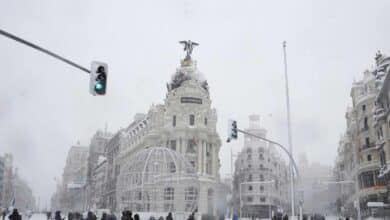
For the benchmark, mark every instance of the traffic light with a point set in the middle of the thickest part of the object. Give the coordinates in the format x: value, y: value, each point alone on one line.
x: 232, y: 130
x: 98, y: 78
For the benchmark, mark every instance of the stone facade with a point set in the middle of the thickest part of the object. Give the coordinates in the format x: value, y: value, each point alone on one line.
x: 96, y: 150
x: 361, y: 140
x: 73, y: 193
x: 185, y: 123
x: 261, y: 177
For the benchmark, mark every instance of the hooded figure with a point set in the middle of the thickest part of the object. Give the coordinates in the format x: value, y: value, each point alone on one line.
x: 136, y: 217
x: 91, y: 216
x: 15, y: 215
x: 169, y: 216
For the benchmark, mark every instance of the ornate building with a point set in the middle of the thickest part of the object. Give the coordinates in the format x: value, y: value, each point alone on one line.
x: 360, y: 150
x: 185, y: 123
x: 261, y: 176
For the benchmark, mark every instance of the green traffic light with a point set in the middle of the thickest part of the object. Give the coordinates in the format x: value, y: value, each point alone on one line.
x: 99, y: 86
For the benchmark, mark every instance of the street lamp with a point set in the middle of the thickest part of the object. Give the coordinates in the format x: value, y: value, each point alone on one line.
x: 260, y: 183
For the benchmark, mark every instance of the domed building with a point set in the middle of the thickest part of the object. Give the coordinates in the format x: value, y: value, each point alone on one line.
x: 186, y: 124
x: 158, y: 179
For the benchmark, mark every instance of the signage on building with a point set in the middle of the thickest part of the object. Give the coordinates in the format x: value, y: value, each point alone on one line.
x: 191, y: 100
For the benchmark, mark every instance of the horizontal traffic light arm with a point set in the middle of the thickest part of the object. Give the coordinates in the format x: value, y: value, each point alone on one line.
x: 279, y: 145
x: 43, y: 50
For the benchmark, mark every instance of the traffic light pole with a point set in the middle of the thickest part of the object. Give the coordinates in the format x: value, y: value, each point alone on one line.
x: 43, y: 50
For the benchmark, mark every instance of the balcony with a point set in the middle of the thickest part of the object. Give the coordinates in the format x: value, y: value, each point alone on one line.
x: 366, y: 147
x: 372, y: 190
x: 380, y: 114
x: 379, y: 144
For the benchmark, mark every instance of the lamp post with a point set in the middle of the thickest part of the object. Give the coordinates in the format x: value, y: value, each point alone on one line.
x: 260, y: 183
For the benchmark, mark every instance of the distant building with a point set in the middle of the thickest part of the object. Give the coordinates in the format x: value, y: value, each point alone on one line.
x: 24, y: 198
x: 261, y: 177
x: 8, y: 173
x: 317, y: 197
x: 73, y: 197
x: 96, y: 151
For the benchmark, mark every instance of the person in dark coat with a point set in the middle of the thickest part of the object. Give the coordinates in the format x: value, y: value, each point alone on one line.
x: 4, y: 213
x: 104, y: 216
x: 285, y: 217
x: 57, y: 216
x: 136, y: 217
x: 91, y: 216
x: 15, y: 215
x: 70, y: 216
x: 48, y: 215
x: 192, y: 216
x: 169, y: 216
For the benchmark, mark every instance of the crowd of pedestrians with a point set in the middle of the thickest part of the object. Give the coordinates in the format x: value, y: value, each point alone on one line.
x: 126, y: 215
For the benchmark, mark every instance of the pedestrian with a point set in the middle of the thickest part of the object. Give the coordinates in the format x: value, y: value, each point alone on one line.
x: 161, y: 218
x: 285, y: 217
x: 70, y: 216
x: 192, y: 216
x: 15, y: 215
x: 104, y: 216
x: 136, y: 217
x: 235, y: 217
x: 112, y: 216
x: 91, y: 216
x: 48, y: 215
x: 4, y: 213
x: 169, y: 216
x: 57, y: 216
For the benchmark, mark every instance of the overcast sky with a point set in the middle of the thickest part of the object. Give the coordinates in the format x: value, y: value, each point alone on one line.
x: 45, y: 106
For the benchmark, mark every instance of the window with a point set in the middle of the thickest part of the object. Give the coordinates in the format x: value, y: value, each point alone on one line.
x: 369, y: 157
x: 250, y: 177
x: 205, y: 121
x: 172, y: 167
x: 261, y: 157
x: 365, y: 123
x: 250, y: 199
x: 250, y: 188
x: 261, y: 177
x: 364, y: 108
x: 261, y: 188
x: 382, y: 156
x: 208, y: 167
x: 192, y: 119
x: 249, y: 157
x: 169, y: 193
x: 262, y: 199
x: 208, y: 150
x: 367, y: 142
x: 173, y: 145
x: 191, y: 146
x: 261, y: 167
x: 174, y: 121
x: 193, y: 163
